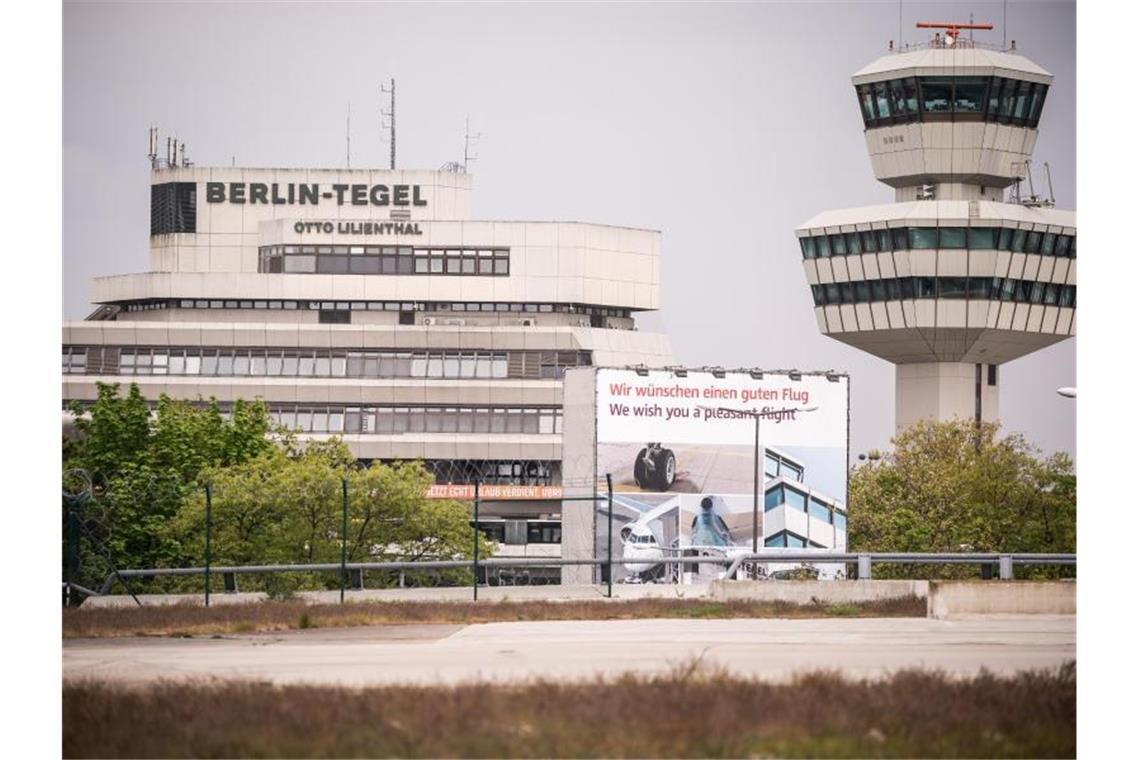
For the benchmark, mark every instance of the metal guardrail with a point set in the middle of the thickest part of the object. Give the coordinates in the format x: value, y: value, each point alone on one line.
x: 863, y: 562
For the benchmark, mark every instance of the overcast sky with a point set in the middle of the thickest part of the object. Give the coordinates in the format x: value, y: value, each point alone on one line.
x: 722, y: 125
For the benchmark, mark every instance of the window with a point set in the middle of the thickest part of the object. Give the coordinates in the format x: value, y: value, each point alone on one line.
x: 838, y: 245
x: 173, y: 208
x: 924, y: 237
x: 937, y: 94
x: 970, y: 95
x: 807, y: 245
x: 854, y: 246
x: 952, y: 237
x: 982, y: 238
x: 883, y: 239
x: 795, y: 499
x: 773, y: 498
x: 819, y: 510
x: 839, y: 520
x: 951, y: 287
x: 822, y: 247
x: 869, y: 241
x: 899, y: 238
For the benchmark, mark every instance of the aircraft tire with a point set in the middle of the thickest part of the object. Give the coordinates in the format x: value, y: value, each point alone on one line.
x: 640, y: 476
x: 665, y: 469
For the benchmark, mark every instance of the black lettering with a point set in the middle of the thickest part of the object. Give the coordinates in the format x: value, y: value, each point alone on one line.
x: 340, y: 191
x: 258, y: 193
x: 237, y: 192
x: 277, y: 199
x: 416, y: 199
x: 215, y: 192
x: 328, y: 228
x: 399, y: 195
x: 299, y: 227
x: 399, y: 228
x: 379, y: 195
x: 310, y: 194
x: 358, y: 195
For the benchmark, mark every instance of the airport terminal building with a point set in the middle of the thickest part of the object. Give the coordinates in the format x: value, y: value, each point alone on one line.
x: 370, y: 304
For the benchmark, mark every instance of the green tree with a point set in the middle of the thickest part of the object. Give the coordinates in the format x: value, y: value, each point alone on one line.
x: 285, y: 506
x: 138, y: 467
x: 952, y: 485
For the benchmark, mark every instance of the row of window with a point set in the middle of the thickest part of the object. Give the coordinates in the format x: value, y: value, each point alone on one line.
x: 965, y: 98
x: 983, y: 288
x: 526, y: 472
x: 276, y: 362
x: 423, y: 306
x: 396, y: 420
x: 369, y: 259
x: 514, y: 532
x: 925, y: 238
x: 782, y: 494
x: 790, y: 540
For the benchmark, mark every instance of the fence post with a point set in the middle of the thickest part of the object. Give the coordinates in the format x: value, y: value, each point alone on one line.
x: 209, y: 526
x: 610, y: 536
x: 71, y: 560
x: 475, y: 546
x: 343, y: 534
x: 864, y: 567
x: 1005, y: 567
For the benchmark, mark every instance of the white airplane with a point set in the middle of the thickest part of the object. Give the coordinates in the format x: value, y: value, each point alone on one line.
x: 642, y: 550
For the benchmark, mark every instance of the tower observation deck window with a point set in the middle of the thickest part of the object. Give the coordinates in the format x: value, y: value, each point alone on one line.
x: 940, y: 98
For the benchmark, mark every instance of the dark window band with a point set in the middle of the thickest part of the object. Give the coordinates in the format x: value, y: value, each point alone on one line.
x: 953, y: 288
x: 383, y: 259
x: 965, y: 98
x: 945, y: 238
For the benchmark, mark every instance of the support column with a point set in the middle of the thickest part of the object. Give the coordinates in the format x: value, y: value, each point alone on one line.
x: 941, y: 391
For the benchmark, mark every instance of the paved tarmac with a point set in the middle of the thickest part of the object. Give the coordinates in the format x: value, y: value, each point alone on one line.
x: 769, y: 649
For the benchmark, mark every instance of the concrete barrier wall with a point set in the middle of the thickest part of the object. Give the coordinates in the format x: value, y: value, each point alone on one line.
x: 948, y: 598
x: 809, y: 592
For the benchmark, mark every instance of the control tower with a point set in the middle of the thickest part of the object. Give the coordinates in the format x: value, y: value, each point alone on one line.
x: 969, y: 268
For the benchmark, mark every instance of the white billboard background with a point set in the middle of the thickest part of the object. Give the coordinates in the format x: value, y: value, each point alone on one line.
x: 703, y: 409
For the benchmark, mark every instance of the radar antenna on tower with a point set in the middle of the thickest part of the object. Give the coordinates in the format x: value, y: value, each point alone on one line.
x: 952, y: 32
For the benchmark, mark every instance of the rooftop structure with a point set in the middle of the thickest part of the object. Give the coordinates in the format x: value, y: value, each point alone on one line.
x: 954, y: 278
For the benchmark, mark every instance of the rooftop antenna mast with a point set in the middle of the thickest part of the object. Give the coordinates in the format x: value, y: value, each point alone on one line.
x: 468, y: 138
x: 348, y: 138
x: 152, y: 146
x: 1003, y: 8
x: 390, y: 115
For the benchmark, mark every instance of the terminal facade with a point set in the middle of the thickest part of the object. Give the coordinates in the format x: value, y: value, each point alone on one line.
x: 954, y: 278
x: 371, y: 305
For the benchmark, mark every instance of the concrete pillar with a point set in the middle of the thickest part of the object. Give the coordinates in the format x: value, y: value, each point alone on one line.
x: 579, y: 472
x: 941, y: 391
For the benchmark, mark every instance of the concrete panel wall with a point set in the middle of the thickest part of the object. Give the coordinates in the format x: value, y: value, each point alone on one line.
x: 948, y: 598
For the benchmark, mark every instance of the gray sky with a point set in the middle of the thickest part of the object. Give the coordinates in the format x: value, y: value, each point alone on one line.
x: 722, y: 125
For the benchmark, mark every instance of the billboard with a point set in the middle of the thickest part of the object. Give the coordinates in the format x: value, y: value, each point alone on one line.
x: 705, y: 463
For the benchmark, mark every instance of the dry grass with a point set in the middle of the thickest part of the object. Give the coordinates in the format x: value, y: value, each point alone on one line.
x: 189, y: 619
x: 685, y: 714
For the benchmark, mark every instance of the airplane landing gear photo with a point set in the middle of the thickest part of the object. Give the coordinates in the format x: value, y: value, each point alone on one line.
x: 655, y: 468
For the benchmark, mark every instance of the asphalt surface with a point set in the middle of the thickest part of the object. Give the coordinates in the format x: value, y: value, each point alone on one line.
x: 769, y: 649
